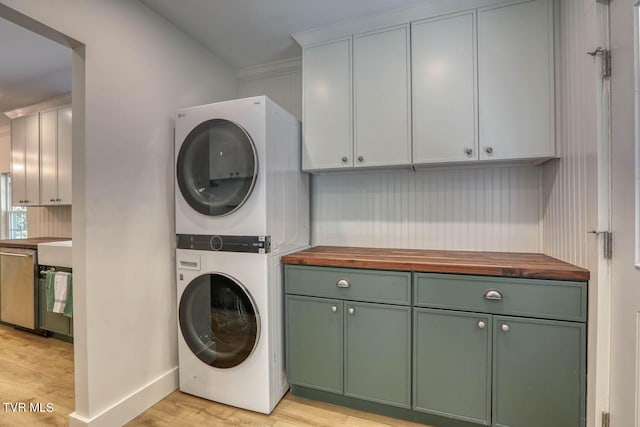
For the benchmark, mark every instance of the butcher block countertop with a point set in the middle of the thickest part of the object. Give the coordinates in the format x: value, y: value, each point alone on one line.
x: 507, y: 264
x: 29, y: 243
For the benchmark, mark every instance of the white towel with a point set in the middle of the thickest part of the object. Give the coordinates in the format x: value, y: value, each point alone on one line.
x: 60, y: 291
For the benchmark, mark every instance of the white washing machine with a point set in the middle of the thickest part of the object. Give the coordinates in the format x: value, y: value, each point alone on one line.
x: 238, y: 173
x: 230, y: 335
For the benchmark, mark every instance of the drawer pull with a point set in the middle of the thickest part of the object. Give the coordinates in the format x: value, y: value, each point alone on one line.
x: 334, y: 308
x: 343, y: 283
x: 482, y: 325
x: 493, y: 294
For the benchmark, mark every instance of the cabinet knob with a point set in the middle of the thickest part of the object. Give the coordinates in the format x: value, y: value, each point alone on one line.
x: 488, y: 150
x: 58, y: 200
x: 343, y: 283
x: 505, y: 327
x: 481, y: 324
x: 344, y: 159
x: 351, y: 310
x: 493, y: 294
x: 52, y: 200
x: 334, y: 308
x: 360, y: 158
x: 468, y: 151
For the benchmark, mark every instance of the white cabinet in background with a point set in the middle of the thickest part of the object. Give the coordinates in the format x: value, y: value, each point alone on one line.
x: 382, y: 135
x: 25, y: 161
x: 443, y: 80
x: 515, y: 75
x: 327, y: 110
x: 55, y: 157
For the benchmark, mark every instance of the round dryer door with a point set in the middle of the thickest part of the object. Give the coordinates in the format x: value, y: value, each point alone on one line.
x: 219, y: 320
x: 217, y: 167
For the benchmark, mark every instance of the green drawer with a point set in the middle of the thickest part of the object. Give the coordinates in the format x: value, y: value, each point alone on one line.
x: 545, y: 299
x: 391, y: 287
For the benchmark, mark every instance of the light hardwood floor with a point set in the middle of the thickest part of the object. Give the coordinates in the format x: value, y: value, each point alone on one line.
x: 35, y: 369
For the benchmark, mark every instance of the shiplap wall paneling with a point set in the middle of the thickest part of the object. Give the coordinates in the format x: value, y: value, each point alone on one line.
x: 54, y: 221
x: 485, y: 209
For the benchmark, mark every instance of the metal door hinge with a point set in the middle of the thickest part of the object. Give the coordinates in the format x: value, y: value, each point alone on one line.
x: 605, y: 55
x: 607, y: 242
x: 606, y: 419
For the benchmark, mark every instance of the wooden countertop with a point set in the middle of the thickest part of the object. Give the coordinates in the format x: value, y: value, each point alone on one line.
x: 31, y: 243
x: 506, y: 264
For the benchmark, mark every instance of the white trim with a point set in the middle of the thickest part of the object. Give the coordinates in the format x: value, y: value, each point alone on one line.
x: 270, y: 69
x: 636, y: 26
x: 131, y: 406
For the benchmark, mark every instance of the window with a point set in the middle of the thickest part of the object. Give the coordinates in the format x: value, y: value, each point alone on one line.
x: 14, y: 218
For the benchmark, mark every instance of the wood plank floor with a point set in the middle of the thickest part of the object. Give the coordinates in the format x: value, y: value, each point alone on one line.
x: 35, y: 370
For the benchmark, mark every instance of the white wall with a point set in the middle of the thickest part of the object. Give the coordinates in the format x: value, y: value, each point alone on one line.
x: 5, y: 149
x: 465, y: 208
x: 138, y: 69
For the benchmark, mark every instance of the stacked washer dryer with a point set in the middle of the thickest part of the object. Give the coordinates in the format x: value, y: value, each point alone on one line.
x: 241, y: 203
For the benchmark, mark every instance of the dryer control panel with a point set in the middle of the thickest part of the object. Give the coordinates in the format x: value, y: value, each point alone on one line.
x: 205, y: 242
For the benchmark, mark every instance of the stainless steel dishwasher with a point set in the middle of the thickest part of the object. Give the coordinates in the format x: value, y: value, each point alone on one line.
x: 18, y: 280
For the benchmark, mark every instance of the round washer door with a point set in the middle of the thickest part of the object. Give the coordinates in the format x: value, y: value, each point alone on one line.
x: 219, y: 320
x: 217, y: 167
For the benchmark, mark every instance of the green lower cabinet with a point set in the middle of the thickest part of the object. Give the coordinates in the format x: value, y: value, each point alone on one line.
x: 539, y: 373
x: 378, y: 353
x: 452, y: 364
x: 314, y: 331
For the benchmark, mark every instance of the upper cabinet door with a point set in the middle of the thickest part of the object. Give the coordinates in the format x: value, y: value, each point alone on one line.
x: 64, y: 156
x: 327, y: 111
x: 18, y: 160
x: 48, y: 157
x: 381, y: 98
x: 443, y: 80
x: 515, y: 72
x: 32, y: 161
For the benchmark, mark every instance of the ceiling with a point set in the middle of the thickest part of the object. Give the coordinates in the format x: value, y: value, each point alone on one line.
x: 240, y: 32
x: 250, y: 32
x: 32, y: 68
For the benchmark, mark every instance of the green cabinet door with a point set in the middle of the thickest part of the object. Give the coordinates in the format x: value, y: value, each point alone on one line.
x: 452, y: 364
x: 49, y: 321
x: 378, y: 353
x: 314, y: 342
x: 539, y: 372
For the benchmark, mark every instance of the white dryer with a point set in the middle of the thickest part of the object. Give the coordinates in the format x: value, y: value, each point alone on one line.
x: 238, y: 173
x: 230, y: 343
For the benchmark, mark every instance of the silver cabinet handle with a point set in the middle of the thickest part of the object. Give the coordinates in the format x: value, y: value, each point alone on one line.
x: 468, y: 151
x: 351, y: 310
x: 488, y: 150
x: 482, y: 325
x: 493, y: 294
x: 344, y: 159
x: 360, y: 158
x: 343, y: 283
x: 334, y: 308
x: 505, y: 327
x: 12, y: 254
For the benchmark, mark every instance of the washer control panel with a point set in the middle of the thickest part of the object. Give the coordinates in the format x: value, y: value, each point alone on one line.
x: 206, y: 242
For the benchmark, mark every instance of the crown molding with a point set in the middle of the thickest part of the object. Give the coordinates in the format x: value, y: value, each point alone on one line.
x: 270, y: 69
x: 49, y: 104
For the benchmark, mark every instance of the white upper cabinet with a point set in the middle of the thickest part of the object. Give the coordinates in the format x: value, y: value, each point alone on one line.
x: 55, y: 157
x: 382, y: 98
x: 515, y: 74
x: 411, y: 88
x: 443, y: 80
x: 25, y: 161
x: 327, y: 111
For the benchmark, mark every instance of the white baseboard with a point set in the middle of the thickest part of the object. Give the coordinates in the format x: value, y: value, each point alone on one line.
x: 131, y: 406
